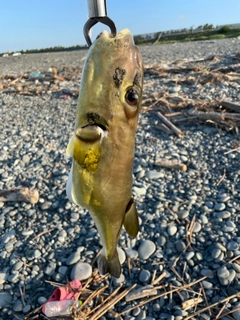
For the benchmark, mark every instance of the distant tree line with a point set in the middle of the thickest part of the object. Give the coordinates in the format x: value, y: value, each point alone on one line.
x: 180, y: 34
x: 53, y: 49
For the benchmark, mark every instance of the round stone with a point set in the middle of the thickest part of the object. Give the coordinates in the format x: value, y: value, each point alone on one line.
x: 236, y: 267
x: 144, y: 275
x: 161, y: 241
x: 139, y: 191
x: 189, y: 255
x: 197, y: 227
x: 216, y: 253
x: 220, y: 206
x: 13, y: 277
x: 25, y: 158
x: 207, y: 284
x: 5, y: 299
x: 131, y: 253
x: 183, y: 214
x: 121, y: 255
x: 36, y: 254
x: 155, y: 174
x: 223, y: 273
x: 81, y: 271
x: 232, y: 275
x: 204, y: 219
x: 232, y: 245
x: 223, y: 214
x: 63, y: 270
x: 18, y: 265
x: 73, y: 258
x: 27, y: 233
x: 42, y: 300
x: 46, y: 205
x: 146, y: 249
x: 27, y: 308
x: 18, y: 306
x: 224, y: 198
x: 175, y: 89
x: 172, y: 230
x: 180, y: 246
x: 3, y: 277
x: 209, y: 204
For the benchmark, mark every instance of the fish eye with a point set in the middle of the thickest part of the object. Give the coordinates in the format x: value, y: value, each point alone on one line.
x: 131, y: 97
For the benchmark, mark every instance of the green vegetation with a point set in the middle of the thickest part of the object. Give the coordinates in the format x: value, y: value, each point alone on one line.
x: 55, y: 49
x: 225, y: 29
x: 206, y: 32
x: 52, y: 49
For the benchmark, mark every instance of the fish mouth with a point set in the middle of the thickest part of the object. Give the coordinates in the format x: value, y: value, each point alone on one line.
x: 99, y: 125
x: 91, y: 132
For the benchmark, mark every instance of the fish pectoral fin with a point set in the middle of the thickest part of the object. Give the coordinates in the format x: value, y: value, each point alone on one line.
x: 70, y: 147
x: 130, y: 221
x: 112, y: 266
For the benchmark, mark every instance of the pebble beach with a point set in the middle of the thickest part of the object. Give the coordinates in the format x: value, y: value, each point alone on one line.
x: 189, y: 220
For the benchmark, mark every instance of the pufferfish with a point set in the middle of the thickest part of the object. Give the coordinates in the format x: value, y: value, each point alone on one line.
x: 102, y: 146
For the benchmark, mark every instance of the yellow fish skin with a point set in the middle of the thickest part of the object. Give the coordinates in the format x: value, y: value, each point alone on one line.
x: 102, y: 146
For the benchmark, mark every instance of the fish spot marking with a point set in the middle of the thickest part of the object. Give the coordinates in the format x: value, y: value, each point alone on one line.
x: 118, y: 76
x: 91, y: 160
x: 137, y: 79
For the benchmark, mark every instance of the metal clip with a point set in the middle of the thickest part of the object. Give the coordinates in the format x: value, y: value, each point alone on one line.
x: 97, y: 12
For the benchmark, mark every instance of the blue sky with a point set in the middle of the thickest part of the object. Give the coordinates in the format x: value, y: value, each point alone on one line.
x: 26, y: 24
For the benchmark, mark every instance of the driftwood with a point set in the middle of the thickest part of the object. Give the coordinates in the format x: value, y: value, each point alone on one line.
x: 188, y: 304
x: 22, y: 194
x: 187, y: 106
x: 171, y: 164
x: 158, y: 38
x: 231, y: 105
x: 169, y: 124
x: 163, y: 127
x: 28, y: 84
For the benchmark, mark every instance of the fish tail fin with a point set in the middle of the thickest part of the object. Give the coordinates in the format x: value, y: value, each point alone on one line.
x: 112, y: 266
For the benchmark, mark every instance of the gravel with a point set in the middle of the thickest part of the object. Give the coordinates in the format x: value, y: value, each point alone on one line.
x: 47, y: 240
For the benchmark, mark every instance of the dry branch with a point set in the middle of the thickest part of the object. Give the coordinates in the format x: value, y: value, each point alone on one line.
x: 22, y: 194
x: 163, y: 127
x: 171, y: 164
x: 231, y: 105
x: 169, y: 124
x: 188, y: 304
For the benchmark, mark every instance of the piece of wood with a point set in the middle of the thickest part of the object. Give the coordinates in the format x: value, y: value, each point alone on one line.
x: 163, y: 127
x: 158, y: 38
x: 169, y: 124
x: 21, y: 194
x: 155, y: 281
x: 141, y: 292
x: 231, y: 105
x: 111, y: 303
x: 171, y: 164
x: 188, y: 304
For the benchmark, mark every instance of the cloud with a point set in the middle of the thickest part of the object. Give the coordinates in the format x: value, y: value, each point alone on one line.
x: 182, y: 17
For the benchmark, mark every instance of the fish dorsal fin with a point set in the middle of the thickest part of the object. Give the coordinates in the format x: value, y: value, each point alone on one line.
x: 130, y: 221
